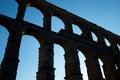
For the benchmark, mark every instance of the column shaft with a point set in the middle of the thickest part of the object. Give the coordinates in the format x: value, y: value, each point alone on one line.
x: 115, y: 48
x: 68, y: 27
x: 93, y: 69
x: 72, y: 65
x: 86, y: 33
x: 45, y: 67
x: 101, y: 39
x: 68, y: 24
x: 110, y: 71
x: 47, y: 22
x: 10, y: 61
x: 21, y: 12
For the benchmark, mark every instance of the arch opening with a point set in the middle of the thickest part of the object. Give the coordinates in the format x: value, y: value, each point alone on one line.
x: 59, y: 62
x: 34, y: 16
x: 76, y: 29
x: 57, y: 24
x: 28, y: 56
x: 83, y: 65
x: 107, y: 42
x: 94, y: 37
x: 3, y: 41
x: 101, y: 64
x: 118, y: 46
x: 116, y: 67
x: 11, y: 7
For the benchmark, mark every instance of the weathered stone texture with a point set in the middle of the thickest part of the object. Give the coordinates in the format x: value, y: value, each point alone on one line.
x: 92, y: 50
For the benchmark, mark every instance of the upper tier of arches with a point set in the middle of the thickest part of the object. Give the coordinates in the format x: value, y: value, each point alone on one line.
x: 87, y: 29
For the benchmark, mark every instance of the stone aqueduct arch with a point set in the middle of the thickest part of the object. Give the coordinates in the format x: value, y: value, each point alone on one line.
x: 92, y: 50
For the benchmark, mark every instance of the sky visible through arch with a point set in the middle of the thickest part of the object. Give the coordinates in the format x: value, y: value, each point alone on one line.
x: 105, y: 13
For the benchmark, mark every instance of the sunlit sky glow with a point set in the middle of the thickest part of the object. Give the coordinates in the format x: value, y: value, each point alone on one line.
x: 105, y: 13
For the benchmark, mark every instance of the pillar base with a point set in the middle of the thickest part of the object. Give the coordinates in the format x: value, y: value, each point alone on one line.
x: 46, y: 74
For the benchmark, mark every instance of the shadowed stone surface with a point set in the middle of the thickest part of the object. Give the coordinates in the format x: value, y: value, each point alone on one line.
x: 92, y: 50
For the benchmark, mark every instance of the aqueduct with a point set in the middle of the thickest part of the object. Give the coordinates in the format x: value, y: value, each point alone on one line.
x: 92, y: 50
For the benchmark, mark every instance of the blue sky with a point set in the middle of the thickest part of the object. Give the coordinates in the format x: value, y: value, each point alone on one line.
x: 105, y: 13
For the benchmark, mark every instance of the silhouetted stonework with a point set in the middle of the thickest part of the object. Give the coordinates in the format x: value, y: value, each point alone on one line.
x: 92, y: 50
